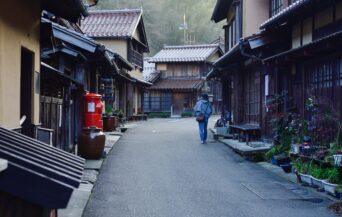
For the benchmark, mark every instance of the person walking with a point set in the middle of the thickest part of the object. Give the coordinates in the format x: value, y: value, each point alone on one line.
x: 203, y: 110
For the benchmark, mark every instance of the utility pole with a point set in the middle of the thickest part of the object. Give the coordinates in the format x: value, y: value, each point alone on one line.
x: 184, y: 27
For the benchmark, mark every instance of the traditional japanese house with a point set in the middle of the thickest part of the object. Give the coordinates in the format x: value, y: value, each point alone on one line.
x: 240, y: 69
x: 39, y: 179
x: 182, y: 71
x: 122, y: 31
x: 311, y: 64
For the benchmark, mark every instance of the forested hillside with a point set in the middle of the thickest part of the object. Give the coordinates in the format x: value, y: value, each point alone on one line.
x: 163, y: 20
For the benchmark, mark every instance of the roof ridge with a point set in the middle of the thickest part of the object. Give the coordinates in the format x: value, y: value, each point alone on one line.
x: 190, y: 46
x: 116, y: 10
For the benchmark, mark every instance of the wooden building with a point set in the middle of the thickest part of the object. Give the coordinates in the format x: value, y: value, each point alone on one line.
x: 296, y: 51
x: 39, y: 179
x: 123, y: 32
x: 182, y: 73
x: 311, y: 65
x: 240, y: 68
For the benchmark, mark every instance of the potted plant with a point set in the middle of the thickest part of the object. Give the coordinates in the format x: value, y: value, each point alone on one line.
x: 318, y: 176
x: 302, y: 170
x: 338, y: 192
x: 119, y: 113
x: 108, y: 119
x: 333, y: 180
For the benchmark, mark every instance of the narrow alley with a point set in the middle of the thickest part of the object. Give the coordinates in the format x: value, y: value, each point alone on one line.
x: 160, y: 168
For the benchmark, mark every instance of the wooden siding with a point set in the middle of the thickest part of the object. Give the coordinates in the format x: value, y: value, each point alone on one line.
x: 181, y: 70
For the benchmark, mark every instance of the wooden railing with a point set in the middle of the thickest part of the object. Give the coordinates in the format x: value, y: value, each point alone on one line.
x: 136, y: 58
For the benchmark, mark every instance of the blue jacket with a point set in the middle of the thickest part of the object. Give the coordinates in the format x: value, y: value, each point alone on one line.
x: 203, y: 107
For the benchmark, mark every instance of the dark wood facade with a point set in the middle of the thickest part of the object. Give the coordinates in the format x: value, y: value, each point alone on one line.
x: 297, y: 55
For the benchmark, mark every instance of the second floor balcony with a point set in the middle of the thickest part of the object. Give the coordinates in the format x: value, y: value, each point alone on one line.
x: 278, y: 5
x: 135, y: 58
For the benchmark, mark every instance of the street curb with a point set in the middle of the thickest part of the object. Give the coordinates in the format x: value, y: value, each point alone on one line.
x: 80, y: 197
x: 291, y: 177
x: 287, y: 176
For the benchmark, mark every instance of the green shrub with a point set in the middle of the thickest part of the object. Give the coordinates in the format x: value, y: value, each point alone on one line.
x: 318, y: 172
x: 273, y: 151
x: 159, y: 115
x: 186, y: 114
x: 334, y: 175
x: 301, y: 167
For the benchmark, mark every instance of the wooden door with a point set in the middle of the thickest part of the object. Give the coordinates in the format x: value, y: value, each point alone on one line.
x: 178, y: 103
x: 27, y: 67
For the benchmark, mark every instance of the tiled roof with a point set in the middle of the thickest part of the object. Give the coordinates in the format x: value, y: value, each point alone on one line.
x: 185, y: 53
x: 285, y: 12
x: 152, y: 77
x: 177, y: 84
x: 44, y: 175
x: 111, y: 23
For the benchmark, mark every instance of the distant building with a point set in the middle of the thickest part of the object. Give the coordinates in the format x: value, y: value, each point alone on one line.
x: 182, y: 71
x: 123, y: 32
x: 149, y: 68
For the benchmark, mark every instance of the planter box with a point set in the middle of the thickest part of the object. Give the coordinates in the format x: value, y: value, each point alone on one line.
x: 329, y: 187
x: 317, y: 182
x: 307, y: 179
x: 338, y: 159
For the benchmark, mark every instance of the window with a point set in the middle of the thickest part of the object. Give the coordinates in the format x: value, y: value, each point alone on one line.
x: 233, y: 31
x: 320, y: 75
x: 276, y: 6
x: 157, y: 101
x: 252, y: 94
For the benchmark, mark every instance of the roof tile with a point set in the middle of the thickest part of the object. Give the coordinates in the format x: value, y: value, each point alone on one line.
x: 185, y: 53
x: 111, y: 23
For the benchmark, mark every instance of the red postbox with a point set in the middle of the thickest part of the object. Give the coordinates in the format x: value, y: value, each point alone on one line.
x: 93, y: 110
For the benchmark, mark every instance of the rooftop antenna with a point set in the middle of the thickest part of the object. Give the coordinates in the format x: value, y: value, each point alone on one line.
x: 184, y: 27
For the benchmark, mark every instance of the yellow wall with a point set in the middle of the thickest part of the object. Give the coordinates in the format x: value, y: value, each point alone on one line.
x: 161, y: 66
x: 255, y: 12
x: 117, y: 45
x: 19, y: 27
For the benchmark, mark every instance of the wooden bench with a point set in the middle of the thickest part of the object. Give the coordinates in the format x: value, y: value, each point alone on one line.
x: 246, y: 132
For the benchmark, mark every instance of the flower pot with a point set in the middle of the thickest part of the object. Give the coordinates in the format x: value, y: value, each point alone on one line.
x: 338, y: 195
x: 306, y: 179
x: 109, y: 123
x: 318, y: 183
x: 91, y: 143
x: 329, y: 187
x: 338, y: 159
x: 286, y: 167
x: 280, y: 159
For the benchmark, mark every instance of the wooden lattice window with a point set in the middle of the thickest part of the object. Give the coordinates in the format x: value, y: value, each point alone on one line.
x: 252, y: 97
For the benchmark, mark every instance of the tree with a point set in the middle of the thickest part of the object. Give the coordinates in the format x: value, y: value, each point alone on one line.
x: 163, y: 18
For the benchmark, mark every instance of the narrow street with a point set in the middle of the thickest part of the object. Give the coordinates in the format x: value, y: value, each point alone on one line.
x: 159, y: 168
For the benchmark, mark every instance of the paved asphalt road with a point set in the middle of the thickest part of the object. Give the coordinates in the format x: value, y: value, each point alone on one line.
x: 160, y: 169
